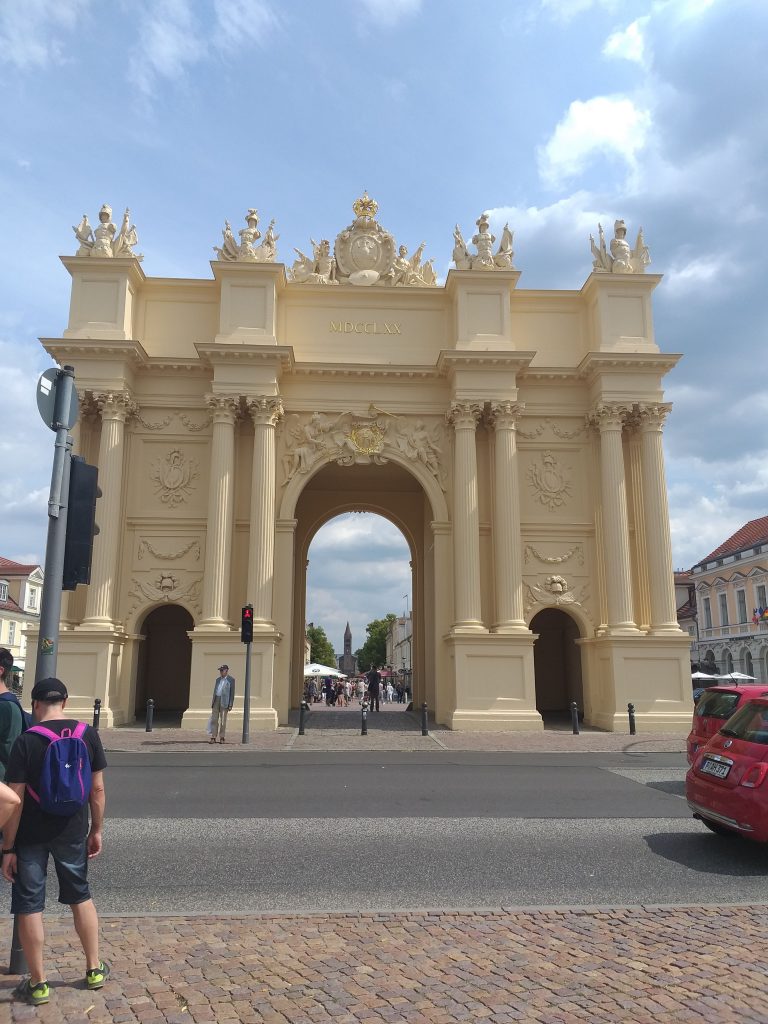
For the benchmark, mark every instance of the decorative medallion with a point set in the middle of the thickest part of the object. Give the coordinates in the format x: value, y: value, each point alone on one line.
x: 551, y: 482
x: 365, y: 248
x: 555, y: 590
x: 165, y: 587
x: 367, y: 438
x: 173, y: 477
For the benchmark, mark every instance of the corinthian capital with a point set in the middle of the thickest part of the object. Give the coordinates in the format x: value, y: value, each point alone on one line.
x: 651, y: 415
x: 223, y: 407
x: 609, y: 416
x: 464, y: 415
x: 115, y: 405
x: 265, y: 410
x: 504, y: 415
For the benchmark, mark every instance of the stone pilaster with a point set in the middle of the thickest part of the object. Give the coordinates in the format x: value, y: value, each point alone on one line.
x: 658, y: 542
x: 609, y: 418
x: 114, y: 408
x: 265, y: 412
x: 218, y: 545
x: 466, y: 518
x: 506, y: 519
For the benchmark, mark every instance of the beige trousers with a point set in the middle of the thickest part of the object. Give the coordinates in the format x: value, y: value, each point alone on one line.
x: 220, y: 712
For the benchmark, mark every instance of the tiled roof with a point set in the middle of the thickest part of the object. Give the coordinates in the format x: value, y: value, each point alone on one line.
x: 687, y: 610
x: 755, y: 532
x: 9, y: 568
x: 9, y: 605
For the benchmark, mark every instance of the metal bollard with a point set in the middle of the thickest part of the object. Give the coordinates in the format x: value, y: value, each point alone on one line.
x: 575, y: 717
x: 303, y: 709
x: 631, y: 712
x: 18, y: 962
x: 424, y: 729
x: 150, y: 714
x: 96, y: 713
x: 364, y: 726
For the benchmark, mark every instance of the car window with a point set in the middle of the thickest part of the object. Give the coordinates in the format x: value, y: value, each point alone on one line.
x: 717, y: 705
x: 750, y: 723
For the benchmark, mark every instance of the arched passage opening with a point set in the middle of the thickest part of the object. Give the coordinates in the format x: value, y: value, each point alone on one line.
x: 165, y: 661
x: 557, y: 664
x: 394, y: 493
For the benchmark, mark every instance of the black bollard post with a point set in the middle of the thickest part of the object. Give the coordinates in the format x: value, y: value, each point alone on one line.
x: 364, y: 726
x: 631, y: 712
x: 150, y: 714
x: 424, y: 729
x: 302, y: 712
x: 96, y: 713
x: 575, y: 718
x: 18, y: 962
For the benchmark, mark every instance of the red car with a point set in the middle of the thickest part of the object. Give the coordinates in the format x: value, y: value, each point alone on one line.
x: 726, y: 787
x: 713, y: 709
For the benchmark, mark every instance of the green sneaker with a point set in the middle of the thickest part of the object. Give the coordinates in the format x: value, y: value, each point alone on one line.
x: 96, y: 977
x: 35, y: 995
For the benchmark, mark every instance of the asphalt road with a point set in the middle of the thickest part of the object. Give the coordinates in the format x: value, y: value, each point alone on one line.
x: 300, y: 832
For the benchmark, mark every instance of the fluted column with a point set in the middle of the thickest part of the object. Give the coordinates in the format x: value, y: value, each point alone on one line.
x: 218, y: 545
x: 265, y: 413
x: 506, y: 519
x: 466, y: 518
x: 609, y: 419
x: 114, y: 408
x: 658, y: 542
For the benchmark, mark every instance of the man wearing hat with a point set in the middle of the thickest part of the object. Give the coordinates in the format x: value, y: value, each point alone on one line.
x: 31, y: 836
x: 221, y: 702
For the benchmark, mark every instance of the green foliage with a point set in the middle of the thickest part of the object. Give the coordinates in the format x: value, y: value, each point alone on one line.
x: 374, y: 650
x: 320, y: 647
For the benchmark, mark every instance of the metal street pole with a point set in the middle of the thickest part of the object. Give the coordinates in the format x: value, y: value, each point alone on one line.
x: 247, y: 695
x: 50, y: 607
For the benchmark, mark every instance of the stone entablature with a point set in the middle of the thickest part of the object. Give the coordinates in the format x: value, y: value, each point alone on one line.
x: 513, y: 435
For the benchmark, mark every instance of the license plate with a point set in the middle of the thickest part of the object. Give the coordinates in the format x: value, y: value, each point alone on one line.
x: 720, y: 771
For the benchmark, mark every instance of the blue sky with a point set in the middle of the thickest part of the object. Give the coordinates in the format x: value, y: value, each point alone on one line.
x: 552, y: 114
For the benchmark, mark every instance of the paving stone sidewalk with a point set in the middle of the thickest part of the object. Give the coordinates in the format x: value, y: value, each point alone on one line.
x: 558, y: 966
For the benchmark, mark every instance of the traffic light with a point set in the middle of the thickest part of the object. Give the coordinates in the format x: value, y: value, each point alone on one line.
x: 81, y: 522
x: 246, y: 624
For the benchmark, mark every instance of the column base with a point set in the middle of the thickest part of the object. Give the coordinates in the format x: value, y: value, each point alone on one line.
x: 651, y: 672
x: 219, y: 625
x: 493, y: 682
x: 462, y: 628
x: 100, y: 623
x: 510, y: 627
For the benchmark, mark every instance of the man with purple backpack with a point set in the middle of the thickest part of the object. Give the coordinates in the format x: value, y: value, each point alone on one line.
x: 56, y: 769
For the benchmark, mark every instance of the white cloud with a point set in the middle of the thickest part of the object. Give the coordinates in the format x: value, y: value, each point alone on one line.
x: 169, y: 42
x: 243, y: 22
x: 701, y: 275
x: 31, y: 30
x: 390, y: 12
x: 564, y: 10
x: 629, y: 43
x: 602, y: 126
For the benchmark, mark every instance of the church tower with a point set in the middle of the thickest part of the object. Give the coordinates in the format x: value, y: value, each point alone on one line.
x: 348, y: 662
x: 347, y: 640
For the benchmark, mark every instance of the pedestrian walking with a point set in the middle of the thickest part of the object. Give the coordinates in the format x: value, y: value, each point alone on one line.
x: 56, y: 770
x: 12, y: 717
x: 374, y: 682
x: 221, y: 703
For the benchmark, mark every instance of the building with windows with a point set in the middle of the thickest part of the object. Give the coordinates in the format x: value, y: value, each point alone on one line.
x: 512, y: 435
x: 399, y: 644
x: 731, y: 586
x: 21, y: 587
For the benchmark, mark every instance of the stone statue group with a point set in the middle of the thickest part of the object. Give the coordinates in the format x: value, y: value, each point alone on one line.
x: 364, y: 253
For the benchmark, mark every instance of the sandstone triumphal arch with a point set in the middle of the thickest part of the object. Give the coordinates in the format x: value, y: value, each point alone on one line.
x: 513, y: 436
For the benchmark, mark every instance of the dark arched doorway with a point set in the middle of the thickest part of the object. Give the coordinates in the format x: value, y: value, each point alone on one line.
x: 557, y: 664
x: 164, y: 664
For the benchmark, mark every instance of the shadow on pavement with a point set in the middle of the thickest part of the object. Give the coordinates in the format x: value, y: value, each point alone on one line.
x: 711, y: 854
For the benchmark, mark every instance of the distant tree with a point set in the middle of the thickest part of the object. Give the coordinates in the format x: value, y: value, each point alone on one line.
x: 320, y: 647
x: 374, y: 650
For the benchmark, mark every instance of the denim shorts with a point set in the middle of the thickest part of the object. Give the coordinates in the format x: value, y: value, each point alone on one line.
x: 71, y: 862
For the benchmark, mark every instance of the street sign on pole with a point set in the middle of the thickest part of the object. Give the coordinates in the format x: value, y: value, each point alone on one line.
x: 46, y: 400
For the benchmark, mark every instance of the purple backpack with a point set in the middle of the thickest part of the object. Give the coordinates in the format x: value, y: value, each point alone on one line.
x: 65, y: 779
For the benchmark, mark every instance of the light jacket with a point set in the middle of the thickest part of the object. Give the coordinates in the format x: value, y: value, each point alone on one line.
x: 227, y: 693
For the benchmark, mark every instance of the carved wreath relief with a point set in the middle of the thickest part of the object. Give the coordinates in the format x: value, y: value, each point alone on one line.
x: 173, y: 477
x: 554, y: 590
x: 551, y: 481
x: 165, y: 587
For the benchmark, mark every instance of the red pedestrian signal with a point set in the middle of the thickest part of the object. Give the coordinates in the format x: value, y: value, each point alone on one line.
x: 246, y: 624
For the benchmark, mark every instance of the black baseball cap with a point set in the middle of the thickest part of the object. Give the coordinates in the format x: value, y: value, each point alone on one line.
x: 52, y: 690
x: 223, y: 666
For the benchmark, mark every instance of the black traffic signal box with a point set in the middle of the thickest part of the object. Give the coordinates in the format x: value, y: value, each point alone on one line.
x: 246, y: 624
x: 81, y: 522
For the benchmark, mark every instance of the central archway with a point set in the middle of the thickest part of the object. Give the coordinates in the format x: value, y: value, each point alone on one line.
x: 393, y: 491
x: 164, y: 663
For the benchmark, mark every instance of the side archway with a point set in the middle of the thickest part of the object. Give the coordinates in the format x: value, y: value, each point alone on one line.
x: 164, y: 662
x: 557, y: 663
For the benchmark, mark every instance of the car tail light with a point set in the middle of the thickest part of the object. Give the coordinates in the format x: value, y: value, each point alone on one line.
x: 754, y: 777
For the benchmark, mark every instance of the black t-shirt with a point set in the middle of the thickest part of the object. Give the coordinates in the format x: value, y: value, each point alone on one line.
x: 25, y: 765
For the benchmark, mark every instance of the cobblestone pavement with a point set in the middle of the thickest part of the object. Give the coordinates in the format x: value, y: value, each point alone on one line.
x: 390, y: 729
x: 558, y: 966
